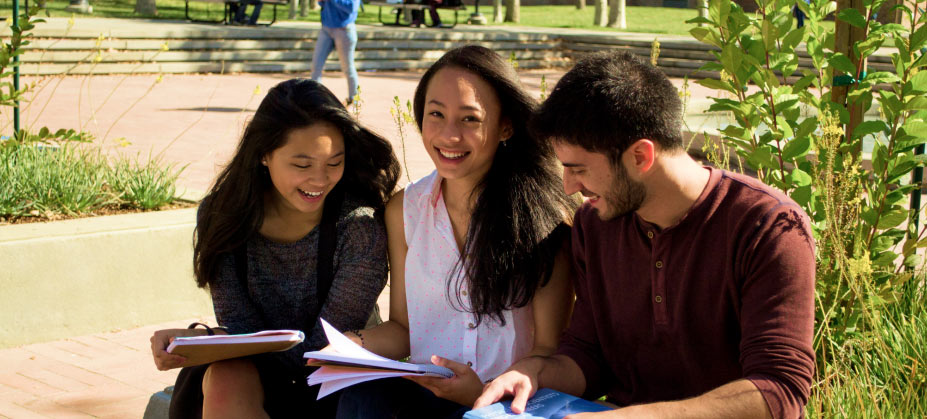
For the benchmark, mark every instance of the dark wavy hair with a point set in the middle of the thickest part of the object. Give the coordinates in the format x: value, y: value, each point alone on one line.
x: 609, y: 100
x: 517, y: 225
x: 233, y: 210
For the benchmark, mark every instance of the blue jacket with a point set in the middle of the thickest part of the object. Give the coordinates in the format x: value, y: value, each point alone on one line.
x: 339, y: 13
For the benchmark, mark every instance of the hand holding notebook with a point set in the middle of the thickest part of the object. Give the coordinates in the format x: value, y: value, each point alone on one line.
x: 345, y: 363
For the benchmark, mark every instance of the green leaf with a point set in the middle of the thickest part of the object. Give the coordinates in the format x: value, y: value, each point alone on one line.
x: 842, y: 63
x: 892, y: 218
x: 870, y: 127
x: 706, y: 35
x: 882, y: 77
x: 760, y: 158
x: 918, y: 38
x: 915, y: 128
x: 881, y: 244
x: 716, y: 84
x: 806, y: 127
x: 852, y: 16
x: 917, y: 84
x: 770, y: 34
x: 793, y: 38
x: 700, y: 19
x: 918, y: 103
x: 798, y: 177
x: 796, y: 147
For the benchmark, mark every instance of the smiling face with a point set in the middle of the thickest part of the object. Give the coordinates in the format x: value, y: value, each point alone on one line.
x: 306, y: 168
x: 462, y: 124
x: 611, y: 191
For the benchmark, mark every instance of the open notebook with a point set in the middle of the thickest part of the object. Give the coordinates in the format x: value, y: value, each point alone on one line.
x: 205, y: 349
x: 346, y: 364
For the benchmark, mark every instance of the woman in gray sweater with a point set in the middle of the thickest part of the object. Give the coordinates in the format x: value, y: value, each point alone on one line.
x: 306, y: 181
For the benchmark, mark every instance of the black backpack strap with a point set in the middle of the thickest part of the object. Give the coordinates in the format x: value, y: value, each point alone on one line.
x: 328, y: 237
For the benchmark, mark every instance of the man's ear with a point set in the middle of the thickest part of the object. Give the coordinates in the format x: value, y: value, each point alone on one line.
x: 641, y: 155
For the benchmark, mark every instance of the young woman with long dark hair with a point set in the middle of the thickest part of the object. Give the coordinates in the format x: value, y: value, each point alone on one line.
x: 306, y: 177
x: 478, y: 249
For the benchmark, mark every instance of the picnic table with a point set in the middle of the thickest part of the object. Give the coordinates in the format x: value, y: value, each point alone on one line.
x: 226, y: 12
x: 399, y: 8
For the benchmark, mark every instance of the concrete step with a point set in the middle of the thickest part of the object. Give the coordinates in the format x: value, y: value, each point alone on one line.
x: 246, y: 67
x: 64, y: 57
x: 240, y: 45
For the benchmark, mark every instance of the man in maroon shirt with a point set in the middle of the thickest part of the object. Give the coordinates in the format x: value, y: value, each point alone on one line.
x: 694, y: 285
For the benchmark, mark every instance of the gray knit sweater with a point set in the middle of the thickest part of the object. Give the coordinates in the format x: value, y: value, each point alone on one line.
x: 281, y: 282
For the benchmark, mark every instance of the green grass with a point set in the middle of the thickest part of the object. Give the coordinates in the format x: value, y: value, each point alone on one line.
x: 639, y: 19
x: 72, y: 180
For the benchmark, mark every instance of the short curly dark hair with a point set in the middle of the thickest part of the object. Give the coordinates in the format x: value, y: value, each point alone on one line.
x: 608, y: 101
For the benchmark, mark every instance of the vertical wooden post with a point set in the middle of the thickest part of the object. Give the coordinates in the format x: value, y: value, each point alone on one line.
x: 845, y: 35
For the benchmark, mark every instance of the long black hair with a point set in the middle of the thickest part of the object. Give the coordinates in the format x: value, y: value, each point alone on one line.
x: 517, y: 225
x: 233, y: 210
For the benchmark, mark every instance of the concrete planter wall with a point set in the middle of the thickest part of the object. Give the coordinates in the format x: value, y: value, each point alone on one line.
x: 76, y: 277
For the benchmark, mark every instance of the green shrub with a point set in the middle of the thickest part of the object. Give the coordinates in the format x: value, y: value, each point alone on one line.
x: 802, y: 130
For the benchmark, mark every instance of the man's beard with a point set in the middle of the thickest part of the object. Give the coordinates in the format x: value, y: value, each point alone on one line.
x: 625, y: 196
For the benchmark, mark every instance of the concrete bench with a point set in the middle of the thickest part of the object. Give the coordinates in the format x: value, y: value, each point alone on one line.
x: 226, y: 10
x: 159, y: 404
x: 399, y: 8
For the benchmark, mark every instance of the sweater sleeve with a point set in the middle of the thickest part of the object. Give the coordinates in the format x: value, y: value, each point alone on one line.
x: 360, y: 269
x: 580, y: 341
x: 777, y: 317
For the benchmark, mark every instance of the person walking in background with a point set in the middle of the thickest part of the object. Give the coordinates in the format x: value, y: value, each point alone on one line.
x: 338, y: 32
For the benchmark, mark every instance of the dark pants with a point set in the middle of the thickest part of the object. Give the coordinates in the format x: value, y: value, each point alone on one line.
x: 286, y: 394
x: 395, y: 398
x: 240, y: 11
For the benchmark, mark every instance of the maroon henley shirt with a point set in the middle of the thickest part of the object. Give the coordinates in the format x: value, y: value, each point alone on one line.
x: 727, y: 293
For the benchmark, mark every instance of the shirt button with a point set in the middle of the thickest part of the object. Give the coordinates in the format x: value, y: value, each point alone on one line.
x: 469, y: 364
x: 658, y: 299
x: 649, y: 234
x: 659, y: 264
x: 464, y: 293
x: 471, y: 325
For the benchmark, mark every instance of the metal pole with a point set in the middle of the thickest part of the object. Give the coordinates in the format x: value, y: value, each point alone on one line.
x: 16, y: 70
x: 916, y: 179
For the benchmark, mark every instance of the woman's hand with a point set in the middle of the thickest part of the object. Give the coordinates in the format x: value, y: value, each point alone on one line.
x: 161, y: 339
x: 464, y: 387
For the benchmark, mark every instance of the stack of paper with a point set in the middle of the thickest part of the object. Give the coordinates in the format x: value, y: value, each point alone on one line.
x: 346, y: 364
x: 206, y: 349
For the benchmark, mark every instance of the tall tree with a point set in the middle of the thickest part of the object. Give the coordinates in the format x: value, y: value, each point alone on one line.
x: 581, y: 4
x: 601, y: 13
x: 497, y: 15
x: 616, y: 15
x: 512, y: 11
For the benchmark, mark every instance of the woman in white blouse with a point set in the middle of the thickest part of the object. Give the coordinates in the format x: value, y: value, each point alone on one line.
x: 478, y: 250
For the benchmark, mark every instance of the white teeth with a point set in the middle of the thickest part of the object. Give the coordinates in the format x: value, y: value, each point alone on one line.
x: 310, y: 194
x: 451, y: 155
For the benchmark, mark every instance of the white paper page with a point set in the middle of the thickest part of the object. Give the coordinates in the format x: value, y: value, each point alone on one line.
x: 330, y: 387
x: 345, y: 346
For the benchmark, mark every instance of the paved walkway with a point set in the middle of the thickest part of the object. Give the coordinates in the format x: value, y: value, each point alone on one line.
x: 192, y: 121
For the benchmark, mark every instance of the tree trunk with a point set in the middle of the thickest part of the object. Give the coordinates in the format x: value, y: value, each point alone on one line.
x: 294, y: 4
x: 512, y: 11
x: 146, y: 7
x: 497, y: 11
x: 601, y: 13
x: 314, y: 5
x: 845, y: 35
x: 581, y: 4
x: 616, y: 15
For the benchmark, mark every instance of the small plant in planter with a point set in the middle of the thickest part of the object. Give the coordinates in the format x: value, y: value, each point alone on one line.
x: 47, y: 175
